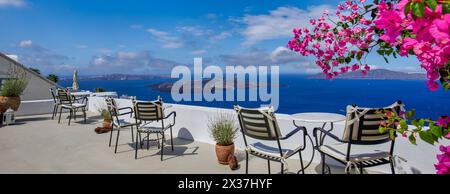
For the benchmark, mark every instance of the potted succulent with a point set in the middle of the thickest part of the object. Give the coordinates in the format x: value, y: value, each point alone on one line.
x: 224, y: 130
x: 12, y: 89
x: 107, y: 119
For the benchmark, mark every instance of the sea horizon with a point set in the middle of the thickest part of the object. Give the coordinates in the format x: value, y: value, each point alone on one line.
x: 300, y: 94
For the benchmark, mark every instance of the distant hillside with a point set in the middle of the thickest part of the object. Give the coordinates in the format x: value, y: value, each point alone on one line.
x: 117, y: 77
x: 376, y: 74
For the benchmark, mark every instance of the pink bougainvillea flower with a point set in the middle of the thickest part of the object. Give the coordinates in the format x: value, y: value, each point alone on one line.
x: 444, y: 122
x: 432, y: 85
x: 390, y: 20
x: 443, y: 165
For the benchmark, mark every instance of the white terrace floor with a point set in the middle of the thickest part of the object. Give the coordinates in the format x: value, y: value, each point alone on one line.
x: 38, y: 144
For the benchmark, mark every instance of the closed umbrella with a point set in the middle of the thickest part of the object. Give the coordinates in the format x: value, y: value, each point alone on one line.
x: 75, y: 85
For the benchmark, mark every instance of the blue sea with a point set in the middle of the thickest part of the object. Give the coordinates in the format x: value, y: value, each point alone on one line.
x: 309, y: 95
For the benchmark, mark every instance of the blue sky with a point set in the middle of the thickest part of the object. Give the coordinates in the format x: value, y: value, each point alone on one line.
x: 150, y: 37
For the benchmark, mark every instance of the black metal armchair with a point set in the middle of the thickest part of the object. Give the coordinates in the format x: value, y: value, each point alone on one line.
x: 151, y: 112
x: 261, y: 124
x: 361, y: 128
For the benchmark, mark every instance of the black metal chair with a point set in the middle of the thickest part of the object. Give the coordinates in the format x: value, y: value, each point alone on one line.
x: 54, y: 92
x: 361, y: 128
x: 66, y: 101
x: 119, y: 123
x: 152, y: 112
x: 261, y: 124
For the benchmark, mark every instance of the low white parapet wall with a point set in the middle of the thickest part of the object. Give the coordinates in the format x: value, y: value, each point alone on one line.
x: 192, y: 123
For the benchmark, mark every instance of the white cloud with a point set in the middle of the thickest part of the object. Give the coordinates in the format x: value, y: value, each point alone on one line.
x: 37, y: 56
x: 278, y: 23
x: 25, y: 43
x: 283, y: 55
x: 12, y: 3
x: 168, y: 40
x: 133, y: 62
x: 220, y: 36
x: 278, y: 56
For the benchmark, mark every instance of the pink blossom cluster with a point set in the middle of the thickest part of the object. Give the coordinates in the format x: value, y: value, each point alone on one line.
x: 432, y: 36
x: 443, y: 165
x: 332, y: 47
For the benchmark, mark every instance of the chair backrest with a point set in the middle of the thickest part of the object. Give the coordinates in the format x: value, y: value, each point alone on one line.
x: 149, y: 110
x: 112, y: 106
x: 53, y: 91
x: 258, y: 123
x: 362, y: 124
x: 64, y: 96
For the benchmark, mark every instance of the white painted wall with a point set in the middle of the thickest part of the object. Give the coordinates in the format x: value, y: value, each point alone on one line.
x: 191, y: 123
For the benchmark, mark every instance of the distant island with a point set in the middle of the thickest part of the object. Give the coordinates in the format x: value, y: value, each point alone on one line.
x: 167, y: 86
x: 118, y: 77
x: 376, y: 74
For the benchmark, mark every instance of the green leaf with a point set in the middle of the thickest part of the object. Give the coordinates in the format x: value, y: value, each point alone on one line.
x: 380, y: 52
x: 392, y: 134
x: 410, y: 114
x: 422, y: 122
x: 418, y: 9
x: 375, y: 1
x: 407, y: 8
x: 427, y: 137
x: 367, y: 7
x: 359, y: 56
x: 348, y: 60
x: 436, y: 131
x: 446, y: 8
x: 403, y: 125
x: 412, y: 139
x: 432, y: 4
x: 385, y: 59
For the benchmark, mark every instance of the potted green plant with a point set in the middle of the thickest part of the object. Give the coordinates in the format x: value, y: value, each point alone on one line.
x: 224, y: 130
x: 12, y: 89
x: 107, y: 118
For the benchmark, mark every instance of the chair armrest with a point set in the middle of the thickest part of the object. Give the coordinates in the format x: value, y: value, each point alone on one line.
x: 174, y: 116
x: 326, y: 133
x: 294, y: 132
x: 126, y: 113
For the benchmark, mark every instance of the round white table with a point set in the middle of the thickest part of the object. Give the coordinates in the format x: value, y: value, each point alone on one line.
x: 317, y: 117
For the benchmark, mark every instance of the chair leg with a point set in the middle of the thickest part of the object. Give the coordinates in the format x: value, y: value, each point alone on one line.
x: 70, y: 116
x: 137, y: 142
x: 117, y: 140
x: 132, y: 134
x: 162, y: 145
x: 246, y: 162
x: 140, y: 138
x: 392, y: 166
x: 84, y: 114
x: 268, y: 165
x: 361, y: 170
x: 55, y: 108
x: 282, y: 168
x: 301, y: 162
x: 60, y: 112
x: 323, y: 163
x: 110, y: 135
x: 171, y: 138
x: 148, y: 141
x: 157, y: 138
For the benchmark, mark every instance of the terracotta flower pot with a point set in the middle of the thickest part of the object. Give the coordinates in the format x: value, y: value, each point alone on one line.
x: 107, y: 124
x: 9, y: 102
x: 223, y: 152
